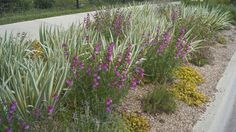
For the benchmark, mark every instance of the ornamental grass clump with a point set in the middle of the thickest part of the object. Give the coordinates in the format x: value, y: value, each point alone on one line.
x: 31, y: 78
x: 160, y: 100
x: 163, y: 53
x: 203, y: 20
x: 185, y: 87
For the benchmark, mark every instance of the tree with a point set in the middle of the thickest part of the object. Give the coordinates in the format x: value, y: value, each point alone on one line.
x: 77, y: 3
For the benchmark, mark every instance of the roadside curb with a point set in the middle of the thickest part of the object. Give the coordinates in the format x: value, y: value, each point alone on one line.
x: 218, y: 112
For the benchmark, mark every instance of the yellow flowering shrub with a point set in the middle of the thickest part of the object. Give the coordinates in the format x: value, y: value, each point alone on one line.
x: 189, y: 74
x: 187, y: 92
x: 37, y: 49
x: 136, y: 123
x: 185, y: 88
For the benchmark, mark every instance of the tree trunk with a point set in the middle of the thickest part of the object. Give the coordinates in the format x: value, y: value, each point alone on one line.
x: 77, y: 3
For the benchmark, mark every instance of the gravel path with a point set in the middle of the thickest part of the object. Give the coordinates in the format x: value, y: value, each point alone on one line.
x: 184, y: 118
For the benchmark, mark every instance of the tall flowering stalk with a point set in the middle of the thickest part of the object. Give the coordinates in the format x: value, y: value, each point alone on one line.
x: 106, y: 73
x: 117, y: 22
x: 163, y: 53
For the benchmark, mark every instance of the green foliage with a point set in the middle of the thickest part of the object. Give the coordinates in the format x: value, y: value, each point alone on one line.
x: 135, y: 122
x: 44, y: 4
x: 161, y: 60
x: 198, y: 59
x: 32, y: 82
x: 115, y: 22
x: 160, y: 100
x: 221, y: 39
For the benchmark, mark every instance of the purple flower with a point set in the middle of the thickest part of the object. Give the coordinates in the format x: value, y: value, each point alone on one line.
x: 139, y: 71
x: 110, y: 52
x: 69, y: 82
x: 108, y: 101
x: 97, y: 48
x: 117, y: 73
x: 134, y: 83
x: 24, y: 126
x: 166, y: 37
x: 81, y: 65
x: 66, y: 50
x: 8, y: 130
x: 108, y: 110
x: 128, y: 55
x: 105, y: 67
x: 55, y: 98
x: 87, y: 21
x: 9, y: 117
x: 13, y: 107
x: 89, y: 70
x: 50, y: 109
x: 75, y: 63
x: 96, y: 79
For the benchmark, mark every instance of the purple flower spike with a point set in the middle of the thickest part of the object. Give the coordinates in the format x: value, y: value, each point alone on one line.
x: 55, y: 98
x: 105, y: 67
x: 12, y: 107
x: 108, y: 102
x: 75, y: 64
x: 50, y: 109
x: 110, y: 52
x: 128, y: 55
x: 81, y: 65
x: 89, y: 70
x: 8, y: 130
x: 69, y: 82
x: 134, y: 83
x: 96, y: 79
x: 108, y: 110
x: 166, y: 37
x: 97, y: 48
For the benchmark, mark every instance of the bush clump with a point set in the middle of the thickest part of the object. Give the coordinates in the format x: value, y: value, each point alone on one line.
x: 160, y: 100
x: 136, y: 123
x: 185, y: 88
x: 198, y: 59
x: 187, y: 92
x: 188, y: 74
x: 44, y: 4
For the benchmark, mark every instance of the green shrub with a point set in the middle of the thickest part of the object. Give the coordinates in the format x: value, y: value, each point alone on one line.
x: 44, y: 4
x: 198, y: 59
x: 221, y: 39
x: 160, y: 100
x: 163, y: 53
